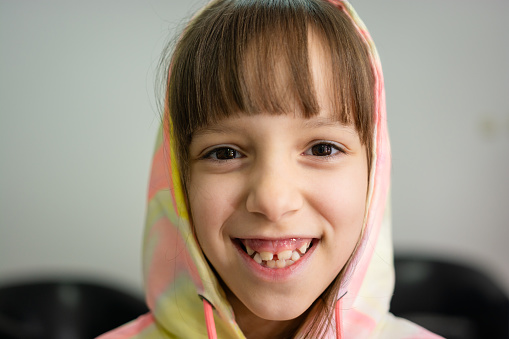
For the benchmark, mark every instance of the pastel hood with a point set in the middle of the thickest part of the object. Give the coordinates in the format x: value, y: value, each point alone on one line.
x: 179, y: 281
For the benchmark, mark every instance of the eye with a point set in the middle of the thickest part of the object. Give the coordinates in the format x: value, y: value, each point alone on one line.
x: 223, y: 153
x: 324, y: 149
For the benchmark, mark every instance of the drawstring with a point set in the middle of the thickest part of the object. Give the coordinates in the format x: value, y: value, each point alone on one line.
x: 337, y: 313
x: 338, y: 319
x: 209, y: 319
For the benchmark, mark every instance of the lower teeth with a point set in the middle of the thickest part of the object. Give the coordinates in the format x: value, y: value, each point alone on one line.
x: 277, y: 263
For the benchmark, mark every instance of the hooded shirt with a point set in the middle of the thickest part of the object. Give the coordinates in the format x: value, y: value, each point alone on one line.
x: 183, y: 294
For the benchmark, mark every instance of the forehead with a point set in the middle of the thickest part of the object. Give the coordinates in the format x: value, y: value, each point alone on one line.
x: 243, y: 123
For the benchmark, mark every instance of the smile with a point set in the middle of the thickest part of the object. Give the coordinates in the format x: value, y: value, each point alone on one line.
x: 276, y: 254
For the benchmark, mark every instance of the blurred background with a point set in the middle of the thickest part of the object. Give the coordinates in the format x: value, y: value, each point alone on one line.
x: 78, y: 118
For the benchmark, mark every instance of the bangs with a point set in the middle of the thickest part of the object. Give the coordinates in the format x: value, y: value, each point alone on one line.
x: 251, y: 57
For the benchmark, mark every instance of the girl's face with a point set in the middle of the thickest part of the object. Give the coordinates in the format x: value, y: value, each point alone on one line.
x: 278, y: 203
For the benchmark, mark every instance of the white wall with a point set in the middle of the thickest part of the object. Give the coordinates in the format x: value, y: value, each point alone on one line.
x: 447, y: 81
x: 78, y: 120
x: 78, y: 124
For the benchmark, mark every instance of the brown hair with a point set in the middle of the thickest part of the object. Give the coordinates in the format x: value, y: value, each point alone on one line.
x: 230, y: 60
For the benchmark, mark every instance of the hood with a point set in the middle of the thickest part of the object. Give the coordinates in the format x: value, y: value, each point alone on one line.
x: 178, y: 277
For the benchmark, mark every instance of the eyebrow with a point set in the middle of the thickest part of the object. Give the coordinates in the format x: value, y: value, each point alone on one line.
x: 318, y: 122
x: 321, y: 122
x: 313, y: 122
x: 213, y: 129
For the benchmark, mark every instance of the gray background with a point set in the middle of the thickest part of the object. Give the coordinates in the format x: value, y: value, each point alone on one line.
x: 78, y: 118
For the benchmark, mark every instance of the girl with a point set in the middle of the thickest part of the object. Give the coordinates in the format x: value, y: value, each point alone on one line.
x: 267, y: 201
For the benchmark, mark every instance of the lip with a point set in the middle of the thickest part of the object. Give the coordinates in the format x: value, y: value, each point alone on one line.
x: 276, y: 274
x: 276, y: 246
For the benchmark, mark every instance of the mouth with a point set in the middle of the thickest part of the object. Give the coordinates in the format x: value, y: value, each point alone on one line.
x: 276, y: 254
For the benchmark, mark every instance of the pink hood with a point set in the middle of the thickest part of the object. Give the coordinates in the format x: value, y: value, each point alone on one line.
x: 177, y: 276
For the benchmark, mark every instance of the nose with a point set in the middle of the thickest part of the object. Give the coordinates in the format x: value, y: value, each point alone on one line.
x: 274, y: 191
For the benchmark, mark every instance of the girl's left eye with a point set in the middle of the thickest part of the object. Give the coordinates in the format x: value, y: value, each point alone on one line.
x: 323, y: 149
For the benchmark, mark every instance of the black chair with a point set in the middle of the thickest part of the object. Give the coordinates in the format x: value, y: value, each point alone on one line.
x: 450, y: 299
x: 58, y: 309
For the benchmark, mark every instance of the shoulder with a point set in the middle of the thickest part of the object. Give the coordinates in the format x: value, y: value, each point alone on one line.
x: 142, y: 327
x: 392, y: 327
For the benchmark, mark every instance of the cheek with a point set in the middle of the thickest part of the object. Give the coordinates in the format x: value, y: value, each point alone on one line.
x: 211, y: 203
x: 347, y: 203
x: 346, y: 189
x: 204, y: 205
x: 343, y: 205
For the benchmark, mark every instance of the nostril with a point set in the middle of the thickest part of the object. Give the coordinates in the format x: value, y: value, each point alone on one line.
x: 273, y: 195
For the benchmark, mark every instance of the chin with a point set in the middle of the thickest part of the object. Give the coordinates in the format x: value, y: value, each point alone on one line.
x: 273, y: 306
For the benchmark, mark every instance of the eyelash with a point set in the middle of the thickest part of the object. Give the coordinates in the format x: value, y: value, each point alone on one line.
x: 335, y: 149
x: 210, y: 154
x: 213, y: 154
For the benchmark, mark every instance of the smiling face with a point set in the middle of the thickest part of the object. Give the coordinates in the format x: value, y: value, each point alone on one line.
x: 273, y: 184
x: 278, y: 203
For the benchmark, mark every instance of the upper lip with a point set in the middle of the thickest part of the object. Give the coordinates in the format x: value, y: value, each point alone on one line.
x: 285, y: 237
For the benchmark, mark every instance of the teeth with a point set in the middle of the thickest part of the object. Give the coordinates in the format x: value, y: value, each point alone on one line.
x: 304, y: 248
x: 283, y: 259
x: 266, y: 256
x: 295, y: 256
x: 284, y: 255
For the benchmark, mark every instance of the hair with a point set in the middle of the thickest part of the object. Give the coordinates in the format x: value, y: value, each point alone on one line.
x: 250, y: 57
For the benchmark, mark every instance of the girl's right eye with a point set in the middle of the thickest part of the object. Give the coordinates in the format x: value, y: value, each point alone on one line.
x: 223, y: 153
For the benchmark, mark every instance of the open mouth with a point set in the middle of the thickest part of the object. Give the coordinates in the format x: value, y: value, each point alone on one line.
x: 276, y: 253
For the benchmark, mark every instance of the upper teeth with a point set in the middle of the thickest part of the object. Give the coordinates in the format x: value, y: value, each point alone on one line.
x: 266, y: 255
x: 304, y: 248
x: 295, y: 256
x: 257, y: 258
x: 284, y: 258
x: 285, y: 255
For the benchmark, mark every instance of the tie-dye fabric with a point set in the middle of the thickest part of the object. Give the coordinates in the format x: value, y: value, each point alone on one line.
x: 177, y: 276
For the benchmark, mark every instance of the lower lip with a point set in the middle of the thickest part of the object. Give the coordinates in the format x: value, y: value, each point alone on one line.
x: 277, y: 274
